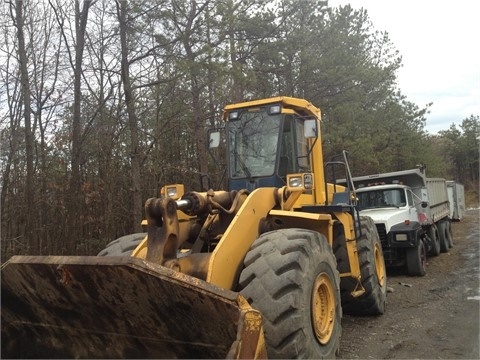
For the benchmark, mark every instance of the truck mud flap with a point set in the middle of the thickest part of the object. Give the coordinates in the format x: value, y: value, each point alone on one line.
x: 120, y: 307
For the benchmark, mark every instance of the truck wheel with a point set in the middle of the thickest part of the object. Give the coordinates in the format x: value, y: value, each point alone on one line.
x: 123, y: 246
x: 450, y: 234
x: 373, y: 271
x: 434, y: 236
x: 443, y: 234
x: 417, y: 260
x: 290, y: 276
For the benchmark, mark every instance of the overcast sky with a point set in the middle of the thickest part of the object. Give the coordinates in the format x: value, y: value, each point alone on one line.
x: 440, y: 46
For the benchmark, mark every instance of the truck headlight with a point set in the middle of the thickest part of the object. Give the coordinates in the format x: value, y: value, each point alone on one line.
x: 401, y: 237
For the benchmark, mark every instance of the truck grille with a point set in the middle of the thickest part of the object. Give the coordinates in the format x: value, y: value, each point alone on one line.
x: 382, y: 233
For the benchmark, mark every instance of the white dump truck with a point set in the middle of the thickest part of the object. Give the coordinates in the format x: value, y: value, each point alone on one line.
x: 411, y: 213
x: 456, y: 197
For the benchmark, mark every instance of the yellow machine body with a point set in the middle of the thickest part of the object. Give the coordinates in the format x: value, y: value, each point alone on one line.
x: 267, y: 206
x: 177, y: 295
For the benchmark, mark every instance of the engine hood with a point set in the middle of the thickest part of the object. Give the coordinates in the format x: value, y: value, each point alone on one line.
x: 389, y: 216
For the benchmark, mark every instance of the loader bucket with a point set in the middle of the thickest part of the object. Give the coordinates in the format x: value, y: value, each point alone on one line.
x: 120, y: 307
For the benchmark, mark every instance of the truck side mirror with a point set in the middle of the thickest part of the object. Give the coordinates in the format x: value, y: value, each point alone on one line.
x: 424, y: 204
x: 310, y: 129
x: 214, y: 140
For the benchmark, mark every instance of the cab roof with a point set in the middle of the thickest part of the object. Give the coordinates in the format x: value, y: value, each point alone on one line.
x: 301, y: 106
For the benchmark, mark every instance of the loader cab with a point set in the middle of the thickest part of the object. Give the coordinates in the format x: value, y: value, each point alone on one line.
x: 265, y: 144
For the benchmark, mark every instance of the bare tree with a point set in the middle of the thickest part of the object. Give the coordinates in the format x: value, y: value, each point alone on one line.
x: 135, y: 156
x: 11, y: 139
x: 76, y: 62
x: 18, y: 17
x: 103, y: 64
x: 45, y: 62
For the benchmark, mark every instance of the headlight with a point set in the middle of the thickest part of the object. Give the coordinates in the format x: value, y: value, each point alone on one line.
x: 274, y: 109
x: 308, y: 181
x: 171, y: 192
x: 401, y: 237
x: 300, y: 181
x: 295, y: 182
x: 174, y: 191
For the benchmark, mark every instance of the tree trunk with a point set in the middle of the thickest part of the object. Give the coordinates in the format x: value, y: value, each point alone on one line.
x: 75, y: 208
x: 132, y: 119
x: 29, y: 139
x: 198, y: 118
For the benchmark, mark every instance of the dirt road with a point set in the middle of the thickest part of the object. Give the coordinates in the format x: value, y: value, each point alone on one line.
x: 431, y: 317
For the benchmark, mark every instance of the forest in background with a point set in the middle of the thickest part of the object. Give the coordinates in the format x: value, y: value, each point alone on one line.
x: 102, y: 102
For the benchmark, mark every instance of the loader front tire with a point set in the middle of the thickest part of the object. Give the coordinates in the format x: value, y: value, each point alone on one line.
x: 373, y: 274
x: 123, y: 246
x: 290, y: 276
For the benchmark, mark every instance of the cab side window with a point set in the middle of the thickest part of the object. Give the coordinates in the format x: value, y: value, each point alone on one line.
x: 303, y: 160
x: 410, y: 198
x: 287, y: 152
x: 294, y: 148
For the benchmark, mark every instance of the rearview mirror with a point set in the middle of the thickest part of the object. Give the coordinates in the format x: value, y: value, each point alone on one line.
x: 310, y: 128
x: 214, y: 140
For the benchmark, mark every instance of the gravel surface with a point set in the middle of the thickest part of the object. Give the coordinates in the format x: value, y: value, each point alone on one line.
x: 431, y: 317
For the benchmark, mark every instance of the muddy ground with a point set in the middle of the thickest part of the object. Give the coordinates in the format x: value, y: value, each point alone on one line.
x: 431, y: 317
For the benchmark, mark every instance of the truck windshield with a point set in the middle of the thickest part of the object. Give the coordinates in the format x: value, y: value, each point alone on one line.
x: 381, y: 198
x: 253, y: 143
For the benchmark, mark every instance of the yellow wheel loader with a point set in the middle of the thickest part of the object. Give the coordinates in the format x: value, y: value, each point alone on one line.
x: 263, y: 269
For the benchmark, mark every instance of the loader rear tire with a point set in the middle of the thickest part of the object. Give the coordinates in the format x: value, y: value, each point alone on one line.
x: 372, y: 270
x: 123, y: 246
x: 290, y: 276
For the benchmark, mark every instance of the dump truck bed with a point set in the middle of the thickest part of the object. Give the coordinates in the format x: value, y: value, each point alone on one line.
x: 437, y: 199
x: 456, y: 197
x: 120, y: 307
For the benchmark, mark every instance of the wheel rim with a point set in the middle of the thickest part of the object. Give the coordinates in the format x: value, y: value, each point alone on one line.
x: 379, y: 265
x: 323, y: 308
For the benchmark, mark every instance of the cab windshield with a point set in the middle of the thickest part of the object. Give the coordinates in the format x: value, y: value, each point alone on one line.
x: 381, y: 198
x: 253, y: 142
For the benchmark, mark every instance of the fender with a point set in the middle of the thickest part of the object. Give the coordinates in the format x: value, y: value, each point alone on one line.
x: 322, y: 223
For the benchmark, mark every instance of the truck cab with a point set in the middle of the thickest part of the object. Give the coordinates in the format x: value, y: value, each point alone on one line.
x: 394, y: 211
x: 410, y: 212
